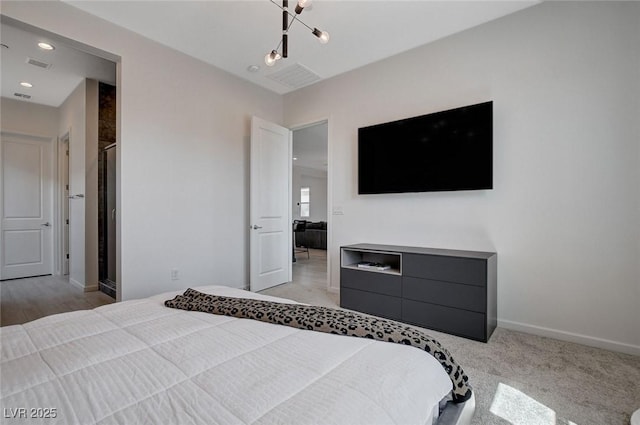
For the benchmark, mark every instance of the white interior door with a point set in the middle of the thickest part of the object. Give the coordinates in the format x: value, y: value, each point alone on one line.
x: 270, y: 201
x: 27, y: 189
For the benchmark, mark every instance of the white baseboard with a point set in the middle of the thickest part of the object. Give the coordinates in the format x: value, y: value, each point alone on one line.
x: 87, y: 288
x: 76, y: 283
x: 571, y: 337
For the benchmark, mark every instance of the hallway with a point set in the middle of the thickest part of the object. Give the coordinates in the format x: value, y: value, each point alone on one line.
x: 309, y: 283
x: 24, y: 300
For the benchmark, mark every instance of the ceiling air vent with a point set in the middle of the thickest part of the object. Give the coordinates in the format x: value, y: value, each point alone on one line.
x: 22, y: 95
x: 39, y: 64
x: 295, y: 76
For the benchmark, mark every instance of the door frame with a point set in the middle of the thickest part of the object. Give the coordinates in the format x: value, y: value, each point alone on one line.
x: 311, y: 123
x: 63, y: 159
x: 51, y: 187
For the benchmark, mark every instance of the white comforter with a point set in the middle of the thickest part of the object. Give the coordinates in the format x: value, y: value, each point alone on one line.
x: 138, y: 362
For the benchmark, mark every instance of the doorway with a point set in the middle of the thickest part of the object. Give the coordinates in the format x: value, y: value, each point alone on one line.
x: 61, y: 101
x: 107, y: 220
x: 107, y: 169
x: 310, y: 204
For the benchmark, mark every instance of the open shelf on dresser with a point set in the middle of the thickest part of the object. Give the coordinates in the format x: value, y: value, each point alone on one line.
x: 356, y: 259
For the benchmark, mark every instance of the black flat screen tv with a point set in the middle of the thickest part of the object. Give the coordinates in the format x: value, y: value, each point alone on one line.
x: 444, y: 151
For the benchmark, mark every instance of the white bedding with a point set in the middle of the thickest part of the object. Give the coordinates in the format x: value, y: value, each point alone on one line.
x: 139, y: 362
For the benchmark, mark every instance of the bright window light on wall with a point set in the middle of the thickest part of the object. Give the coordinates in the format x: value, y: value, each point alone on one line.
x: 304, y: 202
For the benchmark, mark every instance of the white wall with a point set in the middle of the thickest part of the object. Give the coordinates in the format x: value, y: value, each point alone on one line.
x: 183, y: 149
x: 316, y: 181
x: 28, y: 118
x: 73, y: 113
x: 564, y: 214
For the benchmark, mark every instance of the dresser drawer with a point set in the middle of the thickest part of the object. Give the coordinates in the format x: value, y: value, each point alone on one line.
x: 371, y: 281
x: 446, y: 319
x: 469, y: 271
x: 467, y: 297
x: 370, y: 303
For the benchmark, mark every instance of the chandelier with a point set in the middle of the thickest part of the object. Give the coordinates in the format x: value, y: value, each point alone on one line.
x: 273, y: 56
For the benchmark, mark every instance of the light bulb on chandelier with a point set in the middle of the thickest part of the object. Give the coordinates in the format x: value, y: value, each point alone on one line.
x: 301, y: 5
x: 323, y: 36
x: 272, y: 57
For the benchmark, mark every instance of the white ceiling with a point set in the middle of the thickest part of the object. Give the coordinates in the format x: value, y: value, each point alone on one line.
x: 233, y: 35
x: 69, y: 66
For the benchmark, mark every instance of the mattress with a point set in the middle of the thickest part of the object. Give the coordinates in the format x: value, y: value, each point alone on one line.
x: 138, y: 362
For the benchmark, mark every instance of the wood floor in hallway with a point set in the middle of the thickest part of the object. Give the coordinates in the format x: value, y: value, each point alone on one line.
x: 24, y: 300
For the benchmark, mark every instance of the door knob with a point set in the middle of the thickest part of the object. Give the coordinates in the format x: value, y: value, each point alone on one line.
x: 256, y: 227
x: 47, y: 224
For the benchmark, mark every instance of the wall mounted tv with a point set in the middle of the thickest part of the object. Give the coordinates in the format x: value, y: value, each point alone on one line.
x: 444, y: 151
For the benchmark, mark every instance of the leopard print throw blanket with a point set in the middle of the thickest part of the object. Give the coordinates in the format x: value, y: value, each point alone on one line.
x: 330, y: 320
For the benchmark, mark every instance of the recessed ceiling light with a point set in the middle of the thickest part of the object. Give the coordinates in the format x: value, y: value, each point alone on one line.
x: 46, y: 46
x: 26, y: 84
x: 295, y: 159
x: 253, y: 68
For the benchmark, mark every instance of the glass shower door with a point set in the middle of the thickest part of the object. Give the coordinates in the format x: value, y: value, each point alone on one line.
x: 111, y: 213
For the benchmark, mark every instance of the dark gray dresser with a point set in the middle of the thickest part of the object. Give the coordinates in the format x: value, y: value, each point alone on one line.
x: 446, y: 290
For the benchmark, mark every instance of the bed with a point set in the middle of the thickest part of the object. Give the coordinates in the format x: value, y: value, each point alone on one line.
x: 140, y: 362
